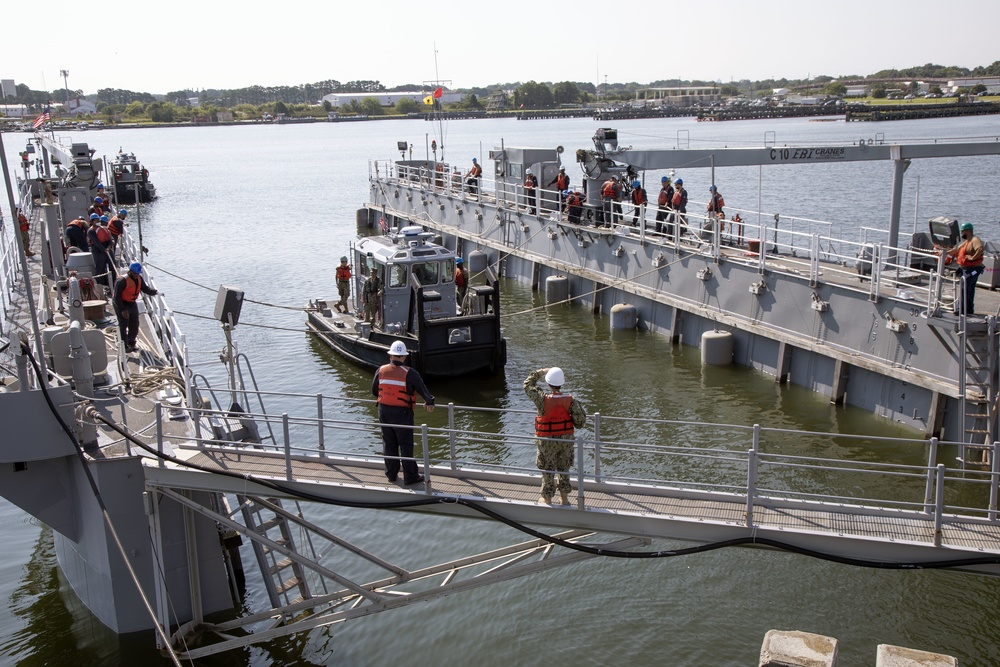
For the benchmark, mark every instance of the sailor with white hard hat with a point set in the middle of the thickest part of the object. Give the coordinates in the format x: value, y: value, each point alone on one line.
x: 559, y: 415
x: 395, y: 385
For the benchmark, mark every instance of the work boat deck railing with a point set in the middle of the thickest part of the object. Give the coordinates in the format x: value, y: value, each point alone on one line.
x: 756, y: 466
x: 806, y: 247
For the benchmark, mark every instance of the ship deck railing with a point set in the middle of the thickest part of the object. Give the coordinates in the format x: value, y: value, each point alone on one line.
x: 751, y: 465
x: 791, y: 244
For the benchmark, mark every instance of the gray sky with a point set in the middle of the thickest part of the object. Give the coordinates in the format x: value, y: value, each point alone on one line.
x: 160, y: 47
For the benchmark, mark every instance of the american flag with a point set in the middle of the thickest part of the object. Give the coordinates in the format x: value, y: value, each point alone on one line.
x: 43, y: 118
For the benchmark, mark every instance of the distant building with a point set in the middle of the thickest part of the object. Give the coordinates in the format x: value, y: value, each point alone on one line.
x: 388, y: 99
x: 992, y: 83
x: 680, y: 96
x: 14, y: 110
x: 80, y: 107
x: 856, y: 91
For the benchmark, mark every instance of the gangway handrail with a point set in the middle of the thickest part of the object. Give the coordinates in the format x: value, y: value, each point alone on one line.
x: 680, y: 466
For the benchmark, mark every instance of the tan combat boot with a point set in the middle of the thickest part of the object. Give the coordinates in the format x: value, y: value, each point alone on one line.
x: 564, y: 497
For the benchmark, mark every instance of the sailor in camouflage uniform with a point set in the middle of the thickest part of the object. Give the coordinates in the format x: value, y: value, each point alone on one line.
x: 558, y: 415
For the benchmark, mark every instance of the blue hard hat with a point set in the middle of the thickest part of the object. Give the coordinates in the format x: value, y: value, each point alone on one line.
x: 100, y: 186
x: 122, y: 213
x: 94, y: 216
x: 665, y: 179
x: 473, y: 159
x: 636, y: 184
x: 98, y: 200
x: 135, y: 267
x: 104, y: 218
x: 679, y: 181
x: 458, y: 260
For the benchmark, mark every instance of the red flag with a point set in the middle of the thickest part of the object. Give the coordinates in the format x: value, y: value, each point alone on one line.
x: 438, y: 93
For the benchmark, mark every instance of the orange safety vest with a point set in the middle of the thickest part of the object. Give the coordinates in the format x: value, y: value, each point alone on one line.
x: 116, y: 226
x: 343, y: 274
x: 609, y: 189
x: 392, y: 386
x: 103, y: 235
x: 555, y: 419
x: 133, y: 287
x: 476, y: 171
x: 573, y: 200
x: 639, y: 196
x: 963, y: 257
x: 562, y: 181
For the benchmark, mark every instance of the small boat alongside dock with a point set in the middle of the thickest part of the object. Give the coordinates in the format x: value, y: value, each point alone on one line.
x: 419, y: 306
x: 132, y: 184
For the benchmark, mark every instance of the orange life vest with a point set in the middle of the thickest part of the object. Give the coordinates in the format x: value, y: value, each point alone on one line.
x: 573, y: 200
x: 392, y: 386
x: 23, y: 221
x: 562, y: 181
x: 476, y: 171
x: 963, y: 260
x: 664, y: 198
x: 116, y: 226
x: 459, y: 277
x: 555, y: 419
x: 103, y: 235
x: 609, y: 189
x: 133, y: 287
x: 638, y: 196
x: 343, y: 273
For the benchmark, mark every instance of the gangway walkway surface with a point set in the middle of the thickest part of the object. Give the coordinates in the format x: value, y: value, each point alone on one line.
x: 926, y: 536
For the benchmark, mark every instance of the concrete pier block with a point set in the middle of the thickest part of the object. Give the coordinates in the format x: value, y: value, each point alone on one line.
x: 792, y: 648
x: 898, y: 656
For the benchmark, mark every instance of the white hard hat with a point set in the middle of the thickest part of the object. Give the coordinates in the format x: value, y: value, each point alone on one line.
x: 527, y: 171
x: 555, y: 377
x: 398, y: 349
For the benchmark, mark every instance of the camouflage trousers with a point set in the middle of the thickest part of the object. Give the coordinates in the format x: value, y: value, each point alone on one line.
x: 554, y: 454
x: 344, y: 290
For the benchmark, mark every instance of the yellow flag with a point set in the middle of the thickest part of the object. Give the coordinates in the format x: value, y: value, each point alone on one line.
x: 429, y: 100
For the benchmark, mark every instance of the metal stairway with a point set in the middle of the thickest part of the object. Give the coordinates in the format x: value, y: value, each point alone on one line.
x: 284, y: 578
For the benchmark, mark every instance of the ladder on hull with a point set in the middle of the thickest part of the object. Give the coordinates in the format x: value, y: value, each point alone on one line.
x: 978, y: 389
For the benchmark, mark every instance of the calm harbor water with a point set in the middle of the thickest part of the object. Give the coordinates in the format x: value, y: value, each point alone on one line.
x: 270, y: 209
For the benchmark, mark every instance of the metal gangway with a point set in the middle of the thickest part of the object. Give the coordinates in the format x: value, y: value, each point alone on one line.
x: 704, y: 486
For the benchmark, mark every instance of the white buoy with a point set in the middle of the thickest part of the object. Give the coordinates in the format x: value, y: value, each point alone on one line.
x: 624, y: 316
x: 716, y: 348
x: 476, y: 262
x: 556, y: 289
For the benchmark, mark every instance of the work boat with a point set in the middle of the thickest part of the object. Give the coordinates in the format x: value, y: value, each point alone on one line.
x: 793, y: 300
x: 132, y: 184
x: 419, y: 307
x: 151, y: 478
